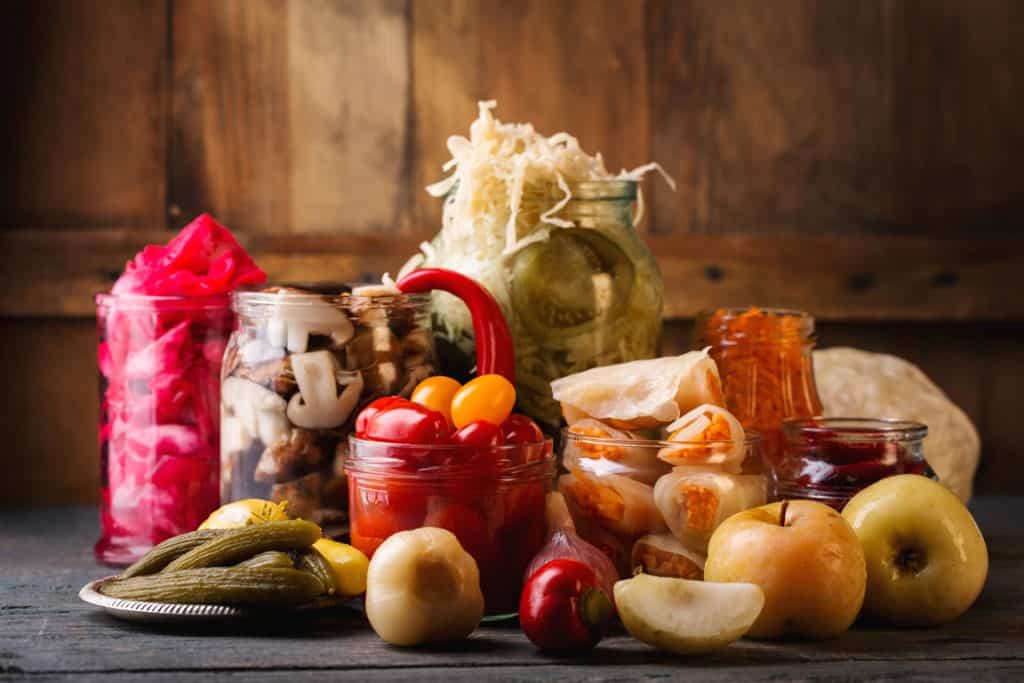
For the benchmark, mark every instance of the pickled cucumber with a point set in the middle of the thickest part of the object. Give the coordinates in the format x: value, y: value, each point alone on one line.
x: 269, y: 559
x: 236, y: 545
x: 316, y: 564
x: 164, y: 553
x: 221, y: 586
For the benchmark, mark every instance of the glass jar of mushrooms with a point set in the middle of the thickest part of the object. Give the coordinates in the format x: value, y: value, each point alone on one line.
x: 302, y: 363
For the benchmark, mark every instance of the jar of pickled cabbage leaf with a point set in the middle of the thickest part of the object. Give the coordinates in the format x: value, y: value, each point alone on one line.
x: 577, y: 295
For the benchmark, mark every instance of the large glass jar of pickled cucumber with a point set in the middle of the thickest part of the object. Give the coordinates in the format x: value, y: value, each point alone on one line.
x: 584, y: 293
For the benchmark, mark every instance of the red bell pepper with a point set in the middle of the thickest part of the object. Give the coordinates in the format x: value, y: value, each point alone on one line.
x: 494, y: 351
x: 563, y: 607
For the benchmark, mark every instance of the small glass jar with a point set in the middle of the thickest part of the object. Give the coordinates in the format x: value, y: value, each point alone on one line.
x: 304, y: 361
x: 764, y: 359
x: 159, y: 364
x: 582, y: 296
x: 492, y: 500
x: 831, y: 459
x: 619, y: 489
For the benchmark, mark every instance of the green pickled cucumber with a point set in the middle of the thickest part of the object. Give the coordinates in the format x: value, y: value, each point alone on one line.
x: 316, y: 564
x: 269, y: 560
x: 220, y: 586
x: 240, y: 544
x: 166, y: 552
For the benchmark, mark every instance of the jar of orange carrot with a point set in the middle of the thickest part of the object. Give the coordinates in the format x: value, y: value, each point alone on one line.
x: 764, y: 359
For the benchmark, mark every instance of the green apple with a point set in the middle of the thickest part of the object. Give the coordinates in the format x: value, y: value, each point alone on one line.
x: 805, y: 558
x: 685, y: 616
x: 926, y: 558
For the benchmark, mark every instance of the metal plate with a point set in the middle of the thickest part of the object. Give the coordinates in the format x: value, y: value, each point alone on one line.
x: 172, y: 612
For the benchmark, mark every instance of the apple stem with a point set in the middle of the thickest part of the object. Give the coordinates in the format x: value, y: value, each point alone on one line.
x: 782, y: 513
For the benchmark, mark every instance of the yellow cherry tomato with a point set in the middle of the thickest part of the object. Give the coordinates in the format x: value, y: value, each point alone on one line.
x: 436, y: 393
x: 243, y: 513
x: 488, y: 397
x: 348, y: 564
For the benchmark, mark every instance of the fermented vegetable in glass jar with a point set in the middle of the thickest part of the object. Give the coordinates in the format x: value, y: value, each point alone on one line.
x: 549, y: 232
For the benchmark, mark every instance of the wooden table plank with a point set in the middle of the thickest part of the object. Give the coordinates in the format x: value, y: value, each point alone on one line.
x: 47, y: 634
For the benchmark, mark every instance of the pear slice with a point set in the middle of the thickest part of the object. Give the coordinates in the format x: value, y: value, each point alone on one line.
x: 686, y: 617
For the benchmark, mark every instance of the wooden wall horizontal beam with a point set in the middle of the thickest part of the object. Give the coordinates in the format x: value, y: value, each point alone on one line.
x: 838, y: 277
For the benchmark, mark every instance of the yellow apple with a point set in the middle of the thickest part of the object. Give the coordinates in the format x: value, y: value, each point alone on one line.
x: 926, y: 558
x: 805, y: 558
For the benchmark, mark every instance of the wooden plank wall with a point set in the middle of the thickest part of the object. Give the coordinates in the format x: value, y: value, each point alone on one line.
x: 857, y: 159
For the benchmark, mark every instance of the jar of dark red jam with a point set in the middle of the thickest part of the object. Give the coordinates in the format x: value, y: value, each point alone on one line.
x: 491, y: 498
x: 831, y: 459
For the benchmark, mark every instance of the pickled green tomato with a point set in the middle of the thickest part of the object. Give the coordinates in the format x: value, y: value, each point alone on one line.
x: 570, y: 284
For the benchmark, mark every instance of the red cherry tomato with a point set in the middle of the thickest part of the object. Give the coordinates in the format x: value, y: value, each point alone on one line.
x: 488, y: 397
x: 436, y: 393
x: 520, y: 429
x: 372, y: 409
x: 406, y: 422
x: 469, y: 526
x: 478, y: 434
x: 381, y: 507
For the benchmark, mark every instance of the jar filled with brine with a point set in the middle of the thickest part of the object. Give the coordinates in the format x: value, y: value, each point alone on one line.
x: 303, y: 362
x: 577, y: 294
x: 764, y: 359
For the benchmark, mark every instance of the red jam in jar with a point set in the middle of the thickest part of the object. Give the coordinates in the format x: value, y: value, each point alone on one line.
x: 831, y: 459
x: 491, y: 498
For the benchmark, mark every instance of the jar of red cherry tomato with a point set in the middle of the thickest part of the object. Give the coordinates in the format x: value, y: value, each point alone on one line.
x: 159, y: 363
x: 491, y: 498
x: 831, y: 459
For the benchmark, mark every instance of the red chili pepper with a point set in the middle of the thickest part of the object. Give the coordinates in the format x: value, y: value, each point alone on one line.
x: 563, y: 608
x: 402, y: 421
x: 494, y: 351
x: 519, y: 429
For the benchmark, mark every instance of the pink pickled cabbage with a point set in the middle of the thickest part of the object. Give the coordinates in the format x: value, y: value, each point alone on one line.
x: 160, y: 360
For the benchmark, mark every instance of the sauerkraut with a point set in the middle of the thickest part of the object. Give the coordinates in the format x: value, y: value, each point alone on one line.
x: 577, y: 286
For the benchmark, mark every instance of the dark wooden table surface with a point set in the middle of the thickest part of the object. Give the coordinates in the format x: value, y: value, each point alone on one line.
x: 46, y: 633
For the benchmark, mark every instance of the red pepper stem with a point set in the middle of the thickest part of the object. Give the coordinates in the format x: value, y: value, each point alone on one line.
x: 494, y: 351
x: 595, y: 608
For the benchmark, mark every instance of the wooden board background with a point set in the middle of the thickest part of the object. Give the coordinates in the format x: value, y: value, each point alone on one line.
x: 855, y: 159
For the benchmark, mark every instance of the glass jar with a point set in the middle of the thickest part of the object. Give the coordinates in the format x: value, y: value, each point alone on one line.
x: 619, y: 489
x: 304, y: 361
x: 159, y: 364
x: 831, y: 459
x: 577, y: 297
x: 492, y: 500
x: 764, y: 359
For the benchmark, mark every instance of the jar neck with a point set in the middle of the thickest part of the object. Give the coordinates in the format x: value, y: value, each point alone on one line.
x: 289, y: 302
x: 730, y: 327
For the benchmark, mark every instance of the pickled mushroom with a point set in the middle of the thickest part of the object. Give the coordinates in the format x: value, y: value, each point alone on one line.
x: 292, y: 321
x: 318, y: 405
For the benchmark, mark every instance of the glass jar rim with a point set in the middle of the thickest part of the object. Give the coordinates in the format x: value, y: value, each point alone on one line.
x: 587, y: 190
x: 750, y: 438
x: 389, y: 467
x: 855, y: 429
x: 803, y: 331
x: 133, y: 301
x: 337, y: 294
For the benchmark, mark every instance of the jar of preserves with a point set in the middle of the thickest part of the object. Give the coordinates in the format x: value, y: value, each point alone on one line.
x: 831, y: 459
x: 303, y: 361
x: 159, y: 364
x: 490, y: 497
x: 576, y: 295
x: 764, y: 360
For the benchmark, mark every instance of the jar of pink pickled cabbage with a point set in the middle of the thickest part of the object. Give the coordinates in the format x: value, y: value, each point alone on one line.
x: 159, y: 365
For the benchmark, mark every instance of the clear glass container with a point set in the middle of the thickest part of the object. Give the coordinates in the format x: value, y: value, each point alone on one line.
x: 831, y: 459
x: 159, y: 363
x: 619, y: 490
x: 492, y: 499
x: 304, y: 361
x: 764, y: 359
x: 586, y: 295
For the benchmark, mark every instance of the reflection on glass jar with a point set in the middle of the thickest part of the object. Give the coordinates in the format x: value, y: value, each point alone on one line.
x: 160, y: 362
x: 302, y: 363
x: 831, y: 459
x: 764, y: 359
x: 575, y: 297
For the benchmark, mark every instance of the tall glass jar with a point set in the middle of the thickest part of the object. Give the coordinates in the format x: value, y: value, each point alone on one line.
x: 764, y: 359
x: 302, y: 364
x: 575, y: 297
x: 159, y: 361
